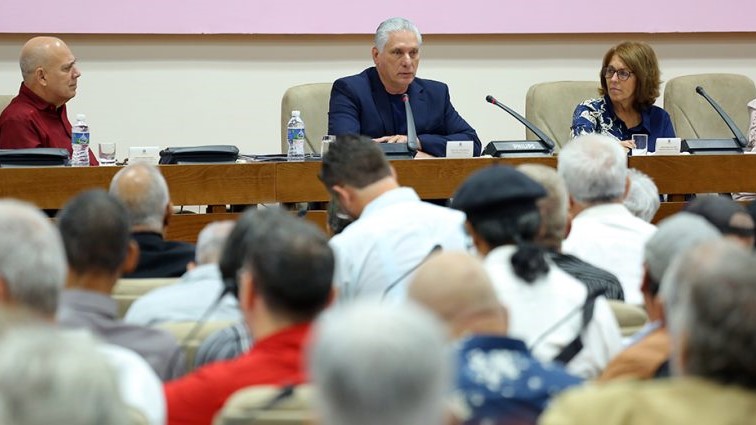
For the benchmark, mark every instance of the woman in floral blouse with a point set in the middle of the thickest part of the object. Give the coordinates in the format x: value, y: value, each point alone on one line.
x: 630, y: 80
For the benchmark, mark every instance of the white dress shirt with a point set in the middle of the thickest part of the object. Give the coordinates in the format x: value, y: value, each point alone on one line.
x: 610, y: 237
x: 534, y: 308
x: 186, y: 300
x: 394, y: 234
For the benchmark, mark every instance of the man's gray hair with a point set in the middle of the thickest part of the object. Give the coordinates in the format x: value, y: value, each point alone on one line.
x: 211, y: 240
x: 643, y: 198
x: 48, y: 376
x: 32, y: 258
x: 709, y: 293
x: 393, y: 25
x: 144, y: 192
x: 594, y: 168
x: 377, y: 364
x: 554, y: 206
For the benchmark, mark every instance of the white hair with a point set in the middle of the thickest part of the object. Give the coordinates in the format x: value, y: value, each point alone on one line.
x: 32, y: 258
x: 146, y: 203
x: 594, y: 168
x: 388, y: 26
x: 48, y: 376
x: 211, y: 240
x: 709, y: 292
x: 375, y: 364
x: 643, y: 198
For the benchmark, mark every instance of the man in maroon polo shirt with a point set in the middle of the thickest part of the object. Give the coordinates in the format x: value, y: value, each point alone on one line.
x: 36, y: 118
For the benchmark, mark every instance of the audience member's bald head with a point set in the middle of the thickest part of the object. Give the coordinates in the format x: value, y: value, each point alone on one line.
x: 143, y: 191
x: 456, y: 287
x: 49, y: 69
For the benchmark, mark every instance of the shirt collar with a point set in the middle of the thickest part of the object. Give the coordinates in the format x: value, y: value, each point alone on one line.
x: 37, y: 101
x: 493, y: 342
x: 645, y: 113
x: 392, y: 197
x: 90, y: 301
x: 604, y: 210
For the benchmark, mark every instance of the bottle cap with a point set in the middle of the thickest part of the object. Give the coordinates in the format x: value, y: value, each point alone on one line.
x: 294, y: 113
x: 81, y: 117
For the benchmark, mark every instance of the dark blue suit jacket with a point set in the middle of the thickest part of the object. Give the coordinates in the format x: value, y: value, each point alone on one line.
x: 360, y: 105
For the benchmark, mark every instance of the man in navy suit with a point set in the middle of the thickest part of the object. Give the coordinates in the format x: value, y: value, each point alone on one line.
x: 370, y: 103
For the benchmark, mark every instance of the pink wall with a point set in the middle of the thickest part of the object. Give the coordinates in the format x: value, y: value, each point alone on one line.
x: 361, y: 17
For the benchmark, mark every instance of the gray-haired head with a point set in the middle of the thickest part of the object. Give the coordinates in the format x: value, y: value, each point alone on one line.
x: 674, y: 235
x: 594, y: 168
x: 375, y: 364
x: 392, y: 25
x: 643, y: 197
x: 32, y: 259
x: 143, y: 191
x: 709, y: 293
x: 211, y: 240
x: 554, y: 206
x: 52, y: 377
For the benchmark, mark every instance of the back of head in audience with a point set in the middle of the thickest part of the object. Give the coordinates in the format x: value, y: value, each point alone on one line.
x: 144, y: 192
x: 554, y: 206
x: 32, y: 258
x: 501, y: 209
x: 674, y: 235
x: 211, y: 240
x: 594, y: 168
x: 709, y: 293
x: 288, y: 266
x: 96, y: 235
x: 456, y: 287
x: 355, y: 171
x: 378, y: 364
x: 731, y: 218
x: 643, y: 197
x: 51, y: 377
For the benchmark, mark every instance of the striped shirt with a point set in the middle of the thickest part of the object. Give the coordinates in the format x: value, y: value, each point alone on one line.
x: 595, y: 279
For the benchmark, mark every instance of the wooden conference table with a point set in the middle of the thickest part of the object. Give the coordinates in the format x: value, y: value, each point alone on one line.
x: 218, y: 185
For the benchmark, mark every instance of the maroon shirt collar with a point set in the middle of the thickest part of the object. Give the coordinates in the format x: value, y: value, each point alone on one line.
x: 37, y: 101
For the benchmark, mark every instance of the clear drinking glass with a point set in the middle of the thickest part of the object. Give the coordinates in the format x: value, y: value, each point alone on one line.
x: 107, y: 153
x: 325, y: 144
x: 641, y: 144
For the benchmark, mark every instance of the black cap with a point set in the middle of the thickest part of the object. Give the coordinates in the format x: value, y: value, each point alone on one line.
x: 495, y: 188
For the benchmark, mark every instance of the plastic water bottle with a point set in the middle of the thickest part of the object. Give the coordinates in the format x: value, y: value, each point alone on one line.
x: 295, y: 137
x: 80, y: 142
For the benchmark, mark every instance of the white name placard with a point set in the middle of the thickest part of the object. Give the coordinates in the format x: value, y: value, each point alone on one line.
x: 667, y: 146
x: 459, y: 149
x: 144, y: 154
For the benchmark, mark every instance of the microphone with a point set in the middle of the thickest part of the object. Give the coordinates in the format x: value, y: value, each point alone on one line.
x: 571, y: 349
x: 229, y: 287
x: 436, y: 248
x: 412, y: 142
x: 543, y: 146
x: 739, y: 137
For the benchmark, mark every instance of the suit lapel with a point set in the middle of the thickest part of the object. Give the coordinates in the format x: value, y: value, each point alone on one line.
x: 419, y: 104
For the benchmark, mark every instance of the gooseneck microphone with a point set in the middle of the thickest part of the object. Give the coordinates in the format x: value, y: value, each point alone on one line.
x: 537, y: 131
x: 436, y: 248
x: 739, y: 137
x: 412, y: 142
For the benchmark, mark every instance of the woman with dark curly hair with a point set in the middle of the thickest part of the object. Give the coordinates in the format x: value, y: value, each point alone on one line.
x: 630, y: 80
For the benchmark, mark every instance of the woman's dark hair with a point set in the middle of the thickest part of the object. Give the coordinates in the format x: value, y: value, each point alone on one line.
x: 514, y: 228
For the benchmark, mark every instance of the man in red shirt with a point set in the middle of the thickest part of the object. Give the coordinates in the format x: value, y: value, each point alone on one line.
x: 284, y: 282
x: 36, y: 118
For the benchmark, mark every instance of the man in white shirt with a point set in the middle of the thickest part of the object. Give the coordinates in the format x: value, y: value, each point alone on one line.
x: 394, y: 231
x: 552, y: 312
x: 604, y: 233
x: 189, y: 298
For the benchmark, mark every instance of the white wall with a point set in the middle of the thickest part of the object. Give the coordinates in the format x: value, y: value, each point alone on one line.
x: 193, y: 90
